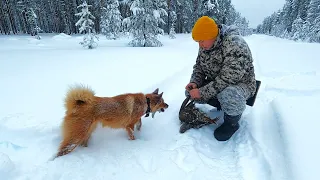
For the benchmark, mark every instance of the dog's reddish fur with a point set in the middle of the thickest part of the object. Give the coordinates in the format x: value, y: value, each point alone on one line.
x: 84, y: 110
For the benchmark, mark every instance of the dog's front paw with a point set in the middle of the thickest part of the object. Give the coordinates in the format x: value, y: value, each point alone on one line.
x: 138, y: 127
x: 84, y: 144
x: 130, y: 131
x: 132, y: 137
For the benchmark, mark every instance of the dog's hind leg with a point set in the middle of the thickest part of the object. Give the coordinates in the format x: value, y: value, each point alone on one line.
x: 75, y: 131
x: 91, y: 129
x: 66, y: 147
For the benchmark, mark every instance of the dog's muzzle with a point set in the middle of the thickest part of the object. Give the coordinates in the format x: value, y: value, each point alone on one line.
x: 162, y: 109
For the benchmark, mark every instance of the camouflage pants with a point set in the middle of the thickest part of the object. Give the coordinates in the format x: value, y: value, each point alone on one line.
x: 232, y: 101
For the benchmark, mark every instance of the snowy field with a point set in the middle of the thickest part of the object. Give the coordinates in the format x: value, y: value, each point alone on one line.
x: 277, y: 139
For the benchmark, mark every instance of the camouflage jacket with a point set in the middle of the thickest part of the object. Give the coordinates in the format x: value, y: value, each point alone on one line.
x: 228, y: 62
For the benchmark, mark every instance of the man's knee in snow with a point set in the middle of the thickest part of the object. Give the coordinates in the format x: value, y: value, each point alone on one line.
x: 232, y: 100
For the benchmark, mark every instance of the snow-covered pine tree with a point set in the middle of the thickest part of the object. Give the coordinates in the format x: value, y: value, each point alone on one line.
x: 274, y: 23
x: 303, y: 9
x: 172, y: 32
x: 111, y: 20
x: 210, y: 8
x: 297, y: 29
x: 299, y: 26
x: 313, y: 19
x: 85, y: 24
x: 185, y: 16
x: 231, y: 15
x: 96, y: 11
x: 316, y: 30
x: 31, y: 19
x: 242, y: 25
x: 64, y: 19
x: 295, y: 10
x: 172, y: 19
x: 306, y: 31
x: 143, y: 25
x: 278, y: 26
x: 288, y: 18
x: 225, y: 8
x: 313, y: 10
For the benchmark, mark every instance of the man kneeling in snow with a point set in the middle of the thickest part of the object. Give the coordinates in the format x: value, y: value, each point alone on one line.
x: 223, y: 73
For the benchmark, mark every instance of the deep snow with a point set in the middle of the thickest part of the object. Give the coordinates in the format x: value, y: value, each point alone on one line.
x: 277, y: 139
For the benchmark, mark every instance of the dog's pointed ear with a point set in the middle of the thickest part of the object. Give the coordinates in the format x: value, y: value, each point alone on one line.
x: 156, y: 91
x: 160, y: 95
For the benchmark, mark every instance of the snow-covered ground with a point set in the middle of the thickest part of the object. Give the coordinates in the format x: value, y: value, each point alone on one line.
x: 277, y: 139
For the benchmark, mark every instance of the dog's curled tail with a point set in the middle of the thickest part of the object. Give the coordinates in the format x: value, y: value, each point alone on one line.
x: 78, y: 95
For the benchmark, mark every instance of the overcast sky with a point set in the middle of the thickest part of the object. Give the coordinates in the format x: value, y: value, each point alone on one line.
x: 256, y: 10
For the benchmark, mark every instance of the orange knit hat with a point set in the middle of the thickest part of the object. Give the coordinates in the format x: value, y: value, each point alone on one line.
x: 205, y: 29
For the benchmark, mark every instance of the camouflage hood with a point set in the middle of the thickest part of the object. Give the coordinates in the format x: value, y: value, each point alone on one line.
x: 228, y: 30
x: 224, y: 31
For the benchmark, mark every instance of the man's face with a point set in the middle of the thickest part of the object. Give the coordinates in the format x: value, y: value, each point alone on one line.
x: 206, y: 44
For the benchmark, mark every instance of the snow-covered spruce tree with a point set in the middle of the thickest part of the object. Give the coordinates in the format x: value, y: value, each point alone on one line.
x: 86, y: 26
x: 313, y: 19
x: 315, y: 30
x: 111, y: 20
x: 33, y: 22
x: 277, y: 26
x: 242, y: 25
x: 143, y: 25
x: 172, y: 32
x: 172, y: 18
x: 210, y: 8
x: 185, y: 16
x: 297, y: 29
x: 31, y: 19
x: 65, y: 27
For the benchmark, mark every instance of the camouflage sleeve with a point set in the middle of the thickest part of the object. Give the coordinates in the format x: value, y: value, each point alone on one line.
x: 197, y: 75
x: 236, y: 52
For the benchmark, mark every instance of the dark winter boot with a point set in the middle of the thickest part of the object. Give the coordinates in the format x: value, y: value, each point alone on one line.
x: 228, y: 128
